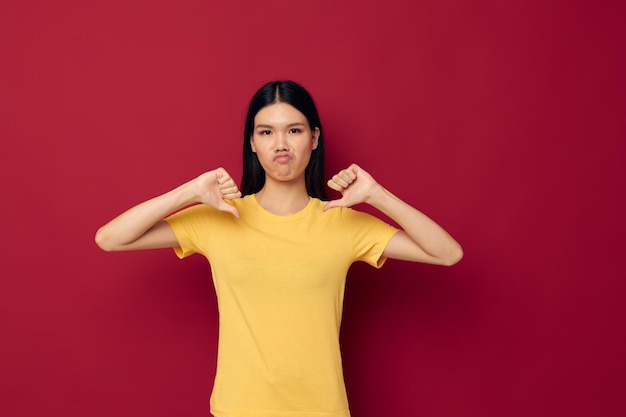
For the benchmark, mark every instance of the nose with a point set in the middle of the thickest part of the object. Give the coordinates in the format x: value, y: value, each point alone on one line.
x: 281, y: 143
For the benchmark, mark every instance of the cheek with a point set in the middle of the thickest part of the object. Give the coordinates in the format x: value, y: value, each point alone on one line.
x: 306, y: 154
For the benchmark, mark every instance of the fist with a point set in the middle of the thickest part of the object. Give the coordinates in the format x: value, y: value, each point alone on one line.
x: 214, y: 187
x: 355, y: 185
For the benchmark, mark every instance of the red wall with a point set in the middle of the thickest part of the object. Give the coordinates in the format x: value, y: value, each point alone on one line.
x: 505, y: 121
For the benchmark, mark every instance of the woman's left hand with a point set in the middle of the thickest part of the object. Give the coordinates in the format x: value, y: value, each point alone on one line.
x: 355, y: 185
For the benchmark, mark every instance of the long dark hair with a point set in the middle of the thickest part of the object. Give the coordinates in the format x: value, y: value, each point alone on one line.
x: 289, y: 92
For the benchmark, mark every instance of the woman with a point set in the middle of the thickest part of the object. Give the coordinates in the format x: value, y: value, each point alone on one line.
x: 279, y: 256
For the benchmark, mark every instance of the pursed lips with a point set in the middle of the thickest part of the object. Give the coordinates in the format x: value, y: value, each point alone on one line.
x: 282, y: 157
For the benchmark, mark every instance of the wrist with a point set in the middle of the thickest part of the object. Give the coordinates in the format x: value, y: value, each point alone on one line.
x: 376, y: 195
x: 187, y: 194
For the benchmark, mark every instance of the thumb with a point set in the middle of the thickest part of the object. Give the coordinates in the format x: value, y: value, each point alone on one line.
x: 229, y: 208
x: 334, y: 203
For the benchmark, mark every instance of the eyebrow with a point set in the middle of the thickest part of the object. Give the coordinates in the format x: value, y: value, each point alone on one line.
x: 289, y: 125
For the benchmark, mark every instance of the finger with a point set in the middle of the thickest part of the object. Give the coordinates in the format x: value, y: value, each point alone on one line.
x: 334, y: 203
x: 332, y: 184
x: 349, y: 175
x: 351, y: 172
x: 342, y: 180
x: 229, y: 189
x: 354, y: 168
x: 329, y: 205
x: 225, y: 180
x: 230, y: 209
x: 235, y: 213
x: 231, y: 196
x: 219, y: 174
x: 223, y: 176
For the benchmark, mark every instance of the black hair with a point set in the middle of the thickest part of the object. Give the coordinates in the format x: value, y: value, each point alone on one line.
x: 289, y: 92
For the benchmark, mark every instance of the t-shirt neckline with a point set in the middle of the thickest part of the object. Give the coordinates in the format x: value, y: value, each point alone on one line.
x: 276, y: 217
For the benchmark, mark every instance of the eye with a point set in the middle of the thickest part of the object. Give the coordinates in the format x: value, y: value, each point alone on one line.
x: 265, y: 132
x: 294, y: 130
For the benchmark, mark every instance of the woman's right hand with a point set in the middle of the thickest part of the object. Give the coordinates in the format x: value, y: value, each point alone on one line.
x: 143, y: 227
x: 216, y: 186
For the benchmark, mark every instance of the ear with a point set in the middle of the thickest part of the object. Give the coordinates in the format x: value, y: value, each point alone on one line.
x: 316, y: 136
x: 252, y: 145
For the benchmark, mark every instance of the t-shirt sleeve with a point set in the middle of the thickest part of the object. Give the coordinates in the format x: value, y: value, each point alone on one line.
x: 370, y: 236
x: 190, y: 227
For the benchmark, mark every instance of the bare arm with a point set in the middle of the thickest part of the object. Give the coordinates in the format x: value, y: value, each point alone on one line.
x: 143, y: 227
x: 421, y: 240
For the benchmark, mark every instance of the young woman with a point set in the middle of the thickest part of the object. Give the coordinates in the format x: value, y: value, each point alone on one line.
x: 279, y: 256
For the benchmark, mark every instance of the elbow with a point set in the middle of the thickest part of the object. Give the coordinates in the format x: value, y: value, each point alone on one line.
x: 102, y: 241
x: 454, y: 257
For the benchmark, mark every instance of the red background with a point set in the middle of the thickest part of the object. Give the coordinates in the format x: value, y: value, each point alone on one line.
x: 504, y: 121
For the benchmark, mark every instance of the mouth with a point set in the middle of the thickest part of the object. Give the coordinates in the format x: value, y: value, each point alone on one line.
x: 282, y: 158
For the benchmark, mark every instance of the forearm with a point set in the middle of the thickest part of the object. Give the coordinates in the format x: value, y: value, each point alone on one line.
x: 434, y: 244
x: 137, y: 221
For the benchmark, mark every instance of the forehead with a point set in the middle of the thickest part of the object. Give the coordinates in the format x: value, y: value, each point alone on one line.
x: 279, y: 113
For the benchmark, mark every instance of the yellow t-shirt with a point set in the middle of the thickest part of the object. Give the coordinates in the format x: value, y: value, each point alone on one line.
x: 280, y: 285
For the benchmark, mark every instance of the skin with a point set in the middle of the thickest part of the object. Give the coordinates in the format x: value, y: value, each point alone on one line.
x: 283, y: 142
x: 421, y: 240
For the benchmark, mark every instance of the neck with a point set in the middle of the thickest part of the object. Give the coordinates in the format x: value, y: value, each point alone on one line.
x: 283, y: 199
